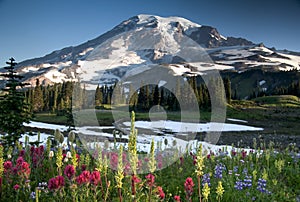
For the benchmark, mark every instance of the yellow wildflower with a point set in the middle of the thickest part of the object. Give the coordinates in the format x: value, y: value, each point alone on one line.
x: 199, y: 162
x: 219, y: 190
x: 205, y: 191
x: 120, y: 175
x: 152, y: 161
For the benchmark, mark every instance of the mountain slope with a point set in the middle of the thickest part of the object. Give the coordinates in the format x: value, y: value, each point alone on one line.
x: 141, y: 41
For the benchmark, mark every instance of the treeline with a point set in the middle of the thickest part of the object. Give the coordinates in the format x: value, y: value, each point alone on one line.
x: 60, y: 97
x: 292, y: 89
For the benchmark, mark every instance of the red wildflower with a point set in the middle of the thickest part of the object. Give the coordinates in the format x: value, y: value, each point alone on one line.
x: 181, y: 160
x: 20, y: 160
x: 24, y: 169
x: 95, y: 178
x: 136, y: 179
x: 22, y: 153
x: 177, y: 198
x: 83, y: 167
x: 244, y: 154
x: 69, y: 171
x: 84, y: 177
x: 7, y: 165
x: 61, y: 181
x: 16, y: 187
x: 56, y: 182
x: 161, y: 193
x: 188, y: 187
x: 150, y: 179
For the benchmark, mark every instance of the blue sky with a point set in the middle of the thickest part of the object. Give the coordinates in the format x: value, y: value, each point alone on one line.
x: 33, y: 28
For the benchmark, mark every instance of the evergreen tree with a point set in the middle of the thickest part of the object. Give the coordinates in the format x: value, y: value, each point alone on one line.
x: 227, y: 85
x: 156, y: 97
x: 132, y: 98
x: 38, y: 100
x: 98, y: 96
x: 14, y: 110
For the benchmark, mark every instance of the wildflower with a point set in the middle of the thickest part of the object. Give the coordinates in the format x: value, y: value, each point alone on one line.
x: 83, y: 178
x: 219, y: 170
x: 261, y: 186
x: 219, y: 190
x: 279, y: 164
x: 150, y: 179
x: 265, y: 174
x: 114, y: 161
x: 136, y: 179
x: 59, y: 159
x: 199, y: 162
x: 181, y: 160
x: 206, y: 191
x: 32, y: 195
x: 235, y: 169
x: 9, y: 156
x: 120, y: 175
x: 188, y: 187
x: 22, y: 153
x: 177, y: 198
x: 56, y: 183
x: 69, y: 171
x: 16, y: 187
x: 20, y: 160
x: 69, y: 155
x: 83, y: 167
x: 133, y: 157
x: 24, y: 169
x: 245, y: 171
x: 7, y: 165
x: 238, y: 185
x: 161, y: 193
x: 247, y: 181
x: 152, y: 161
x: 95, y: 178
x: 51, y: 154
x: 75, y: 159
x: 244, y: 154
x: 254, y: 173
x: 206, y: 179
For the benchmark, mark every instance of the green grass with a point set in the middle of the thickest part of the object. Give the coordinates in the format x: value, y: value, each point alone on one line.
x: 276, y: 114
x: 280, y: 100
x: 50, y: 118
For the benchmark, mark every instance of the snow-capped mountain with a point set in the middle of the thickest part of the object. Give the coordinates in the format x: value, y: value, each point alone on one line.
x: 142, y: 41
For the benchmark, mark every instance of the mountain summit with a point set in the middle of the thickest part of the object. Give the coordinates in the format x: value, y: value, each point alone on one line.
x: 143, y: 40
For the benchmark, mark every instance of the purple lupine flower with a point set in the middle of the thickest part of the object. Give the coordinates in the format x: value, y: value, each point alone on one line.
x: 247, y: 181
x: 235, y: 169
x: 238, y: 185
x: 245, y: 171
x: 261, y: 186
x: 219, y: 170
x: 206, y: 179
